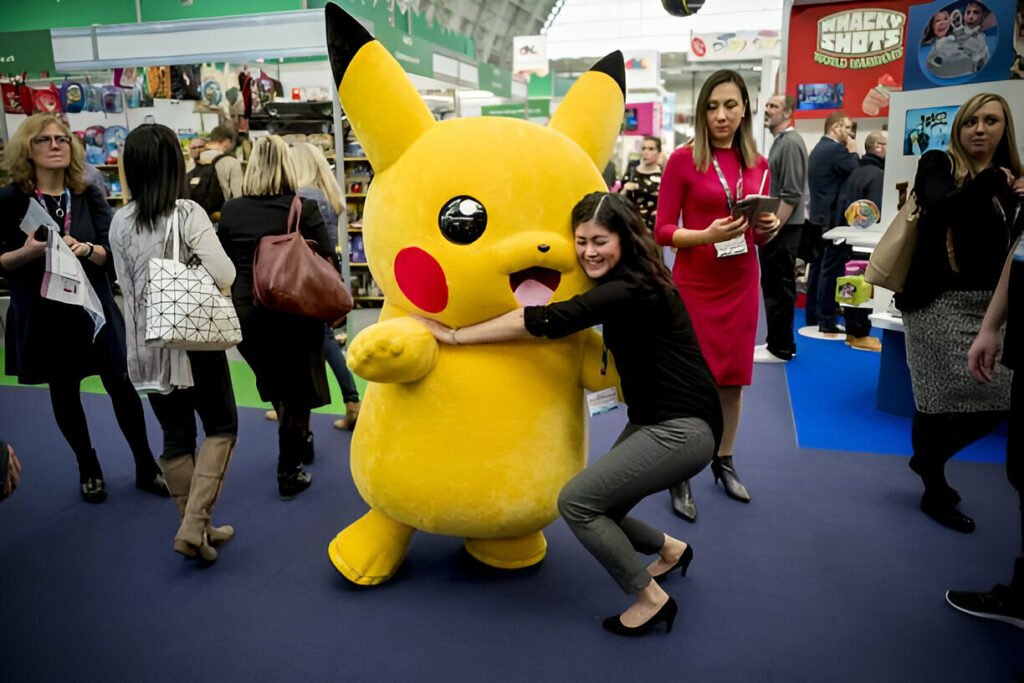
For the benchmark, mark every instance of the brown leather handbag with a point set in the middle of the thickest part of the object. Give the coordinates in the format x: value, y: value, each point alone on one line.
x: 288, y: 275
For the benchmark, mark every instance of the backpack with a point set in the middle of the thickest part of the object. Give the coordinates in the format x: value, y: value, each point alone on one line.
x: 72, y: 96
x: 204, y: 186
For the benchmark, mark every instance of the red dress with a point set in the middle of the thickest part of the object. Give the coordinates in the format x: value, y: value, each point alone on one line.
x: 720, y: 293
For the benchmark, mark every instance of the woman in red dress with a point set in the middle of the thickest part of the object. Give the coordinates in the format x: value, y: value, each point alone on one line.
x: 716, y: 267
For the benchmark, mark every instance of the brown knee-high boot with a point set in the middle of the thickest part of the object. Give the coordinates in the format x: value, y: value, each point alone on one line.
x: 207, y: 480
x: 178, y: 472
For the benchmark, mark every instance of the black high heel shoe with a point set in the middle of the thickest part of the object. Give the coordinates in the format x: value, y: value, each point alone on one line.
x: 152, y: 483
x: 666, y: 614
x: 681, y: 564
x: 722, y: 468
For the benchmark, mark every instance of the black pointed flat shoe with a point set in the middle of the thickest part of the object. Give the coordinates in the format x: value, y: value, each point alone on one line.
x: 943, y: 511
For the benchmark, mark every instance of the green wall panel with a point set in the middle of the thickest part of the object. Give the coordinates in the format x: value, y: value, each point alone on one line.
x: 172, y: 10
x: 29, y: 15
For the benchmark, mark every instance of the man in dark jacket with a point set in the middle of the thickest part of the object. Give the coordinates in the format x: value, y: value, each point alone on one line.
x: 831, y: 162
x: 864, y: 183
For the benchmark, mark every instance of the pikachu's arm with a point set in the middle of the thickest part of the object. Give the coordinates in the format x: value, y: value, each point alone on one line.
x: 393, y: 351
x: 593, y: 353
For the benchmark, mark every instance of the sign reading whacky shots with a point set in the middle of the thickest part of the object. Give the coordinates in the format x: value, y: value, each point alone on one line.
x: 846, y: 56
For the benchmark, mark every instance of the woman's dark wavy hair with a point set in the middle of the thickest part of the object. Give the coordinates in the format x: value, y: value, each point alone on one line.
x: 640, y: 254
x: 154, y: 167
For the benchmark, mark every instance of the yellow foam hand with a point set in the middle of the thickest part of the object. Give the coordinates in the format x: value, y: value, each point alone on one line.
x: 393, y: 351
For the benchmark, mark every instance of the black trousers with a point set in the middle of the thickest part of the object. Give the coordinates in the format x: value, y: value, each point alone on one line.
x: 66, y: 399
x: 778, y: 285
x: 212, y: 397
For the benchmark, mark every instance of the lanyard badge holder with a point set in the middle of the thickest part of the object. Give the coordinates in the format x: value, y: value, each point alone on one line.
x: 737, y: 245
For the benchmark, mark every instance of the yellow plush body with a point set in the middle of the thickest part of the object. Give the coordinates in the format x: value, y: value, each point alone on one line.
x: 469, y: 441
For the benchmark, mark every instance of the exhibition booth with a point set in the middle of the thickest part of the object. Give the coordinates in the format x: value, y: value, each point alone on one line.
x: 903, y: 67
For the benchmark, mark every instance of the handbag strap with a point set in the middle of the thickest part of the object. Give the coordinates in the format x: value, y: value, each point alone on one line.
x: 172, y: 229
x: 294, y: 213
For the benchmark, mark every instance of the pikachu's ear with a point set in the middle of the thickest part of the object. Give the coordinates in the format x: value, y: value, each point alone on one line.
x: 592, y: 111
x: 380, y: 102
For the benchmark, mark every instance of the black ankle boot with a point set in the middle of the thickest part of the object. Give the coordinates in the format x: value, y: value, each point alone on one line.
x: 943, y: 511
x: 308, y: 452
x: 682, y: 501
x: 934, y: 479
x: 291, y: 484
x: 90, y: 478
x: 722, y: 468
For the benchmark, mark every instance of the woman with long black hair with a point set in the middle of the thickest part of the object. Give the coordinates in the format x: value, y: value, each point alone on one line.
x: 179, y: 383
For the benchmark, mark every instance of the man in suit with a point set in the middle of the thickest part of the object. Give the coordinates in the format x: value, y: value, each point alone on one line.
x: 831, y: 162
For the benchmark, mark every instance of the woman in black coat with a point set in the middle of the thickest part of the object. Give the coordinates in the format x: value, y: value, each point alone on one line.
x: 53, y: 343
x: 968, y: 196
x: 285, y: 351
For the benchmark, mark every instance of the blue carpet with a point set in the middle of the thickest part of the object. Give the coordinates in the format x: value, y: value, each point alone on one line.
x: 830, y: 574
x: 832, y: 388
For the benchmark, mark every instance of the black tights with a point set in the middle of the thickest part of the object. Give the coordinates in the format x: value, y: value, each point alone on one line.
x: 66, y: 399
x: 291, y: 435
x: 937, y: 437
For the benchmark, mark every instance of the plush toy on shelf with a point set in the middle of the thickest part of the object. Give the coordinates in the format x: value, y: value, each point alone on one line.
x: 465, y: 220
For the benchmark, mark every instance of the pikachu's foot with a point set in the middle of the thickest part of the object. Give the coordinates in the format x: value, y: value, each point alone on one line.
x: 509, y: 553
x: 371, y: 550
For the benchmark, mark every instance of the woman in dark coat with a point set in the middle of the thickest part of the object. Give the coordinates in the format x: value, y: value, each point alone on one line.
x: 284, y: 351
x: 968, y: 196
x: 53, y: 343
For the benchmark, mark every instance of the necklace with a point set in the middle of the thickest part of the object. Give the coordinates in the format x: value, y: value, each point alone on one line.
x: 58, y: 203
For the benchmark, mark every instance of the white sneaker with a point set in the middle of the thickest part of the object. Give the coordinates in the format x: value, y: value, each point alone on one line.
x: 763, y: 355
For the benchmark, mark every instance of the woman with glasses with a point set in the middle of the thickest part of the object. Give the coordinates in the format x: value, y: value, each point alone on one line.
x: 55, y: 343
x: 641, y: 183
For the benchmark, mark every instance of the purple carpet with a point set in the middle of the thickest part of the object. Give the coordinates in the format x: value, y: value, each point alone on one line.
x: 830, y: 574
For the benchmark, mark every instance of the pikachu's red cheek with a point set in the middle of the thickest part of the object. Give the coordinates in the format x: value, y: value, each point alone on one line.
x: 421, y: 279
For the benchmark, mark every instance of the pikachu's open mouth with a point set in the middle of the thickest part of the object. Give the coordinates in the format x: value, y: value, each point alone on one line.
x: 534, y: 286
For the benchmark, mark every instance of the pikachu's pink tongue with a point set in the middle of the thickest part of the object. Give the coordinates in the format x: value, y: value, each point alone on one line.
x: 533, y: 293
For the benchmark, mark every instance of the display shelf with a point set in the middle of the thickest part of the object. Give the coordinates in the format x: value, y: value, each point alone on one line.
x: 358, y: 264
x: 347, y: 159
x: 353, y: 195
x: 355, y: 231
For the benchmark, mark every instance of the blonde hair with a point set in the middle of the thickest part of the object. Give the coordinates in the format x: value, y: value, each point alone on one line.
x: 1006, y: 151
x: 742, y: 140
x: 18, y: 155
x: 312, y: 170
x: 270, y: 170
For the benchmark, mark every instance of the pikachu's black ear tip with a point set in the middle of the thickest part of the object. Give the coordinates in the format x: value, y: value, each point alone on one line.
x: 345, y: 35
x: 615, y: 66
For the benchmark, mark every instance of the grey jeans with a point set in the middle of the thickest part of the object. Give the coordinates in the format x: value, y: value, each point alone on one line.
x: 644, y: 460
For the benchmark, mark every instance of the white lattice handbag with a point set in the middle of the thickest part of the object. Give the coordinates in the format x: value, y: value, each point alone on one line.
x: 184, y: 307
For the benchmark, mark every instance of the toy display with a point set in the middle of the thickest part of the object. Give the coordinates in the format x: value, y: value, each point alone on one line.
x: 467, y: 441
x: 862, y: 213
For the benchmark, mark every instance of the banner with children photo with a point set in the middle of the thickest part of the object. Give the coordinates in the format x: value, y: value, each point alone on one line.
x: 959, y: 41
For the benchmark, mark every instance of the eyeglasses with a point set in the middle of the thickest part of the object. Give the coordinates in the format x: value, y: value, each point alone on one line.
x: 61, y: 140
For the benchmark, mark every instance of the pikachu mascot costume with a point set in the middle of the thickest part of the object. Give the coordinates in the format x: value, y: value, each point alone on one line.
x: 467, y: 219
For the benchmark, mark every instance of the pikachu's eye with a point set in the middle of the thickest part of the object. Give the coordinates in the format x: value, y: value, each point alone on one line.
x: 462, y: 220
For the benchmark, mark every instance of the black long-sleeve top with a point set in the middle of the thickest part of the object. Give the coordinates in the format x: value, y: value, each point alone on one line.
x: 647, y: 329
x: 977, y: 214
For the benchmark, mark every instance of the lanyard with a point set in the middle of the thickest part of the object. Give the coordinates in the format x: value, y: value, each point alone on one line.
x: 61, y: 213
x: 725, y: 186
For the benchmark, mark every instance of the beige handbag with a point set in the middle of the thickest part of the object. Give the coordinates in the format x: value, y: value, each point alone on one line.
x: 890, y: 261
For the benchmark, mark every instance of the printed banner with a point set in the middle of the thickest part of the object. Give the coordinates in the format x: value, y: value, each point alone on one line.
x: 710, y: 47
x: 846, y: 56
x: 926, y: 129
x: 964, y: 41
x: 530, y: 55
